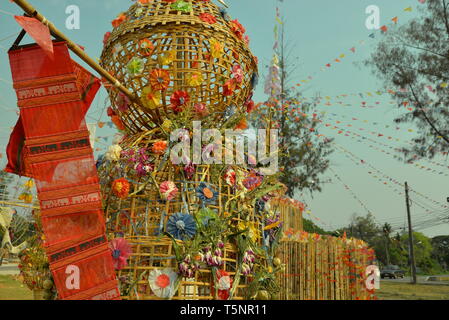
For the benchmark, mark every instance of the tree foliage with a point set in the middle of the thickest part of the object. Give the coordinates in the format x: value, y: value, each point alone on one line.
x: 413, y: 61
x: 304, y: 155
x: 395, y: 250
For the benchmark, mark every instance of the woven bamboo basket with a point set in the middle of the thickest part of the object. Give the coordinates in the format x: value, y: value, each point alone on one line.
x: 182, y: 45
x: 150, y: 253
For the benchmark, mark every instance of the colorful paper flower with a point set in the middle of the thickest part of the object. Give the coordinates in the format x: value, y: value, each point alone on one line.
x: 237, y: 28
x: 229, y: 87
x: 120, y: 250
x: 159, y: 79
x: 118, y: 122
x: 120, y: 188
x: 113, y: 153
x: 178, y: 100
x: 252, y: 181
x: 106, y: 37
x: 162, y: 282
x: 168, y: 190
x: 181, y: 226
x: 208, y: 18
x: 230, y: 177
x: 195, y: 79
x: 224, y: 284
x: 237, y: 73
x: 119, y: 20
x: 135, y: 66
x: 146, y: 47
x: 151, y: 99
x: 253, y: 231
x: 242, y: 125
x: 216, y: 48
x: 206, y: 193
x: 122, y: 102
x: 201, y: 109
x: 116, y: 49
x: 167, y: 58
x: 189, y: 170
x: 26, y: 197
x: 181, y: 5
x: 159, y: 147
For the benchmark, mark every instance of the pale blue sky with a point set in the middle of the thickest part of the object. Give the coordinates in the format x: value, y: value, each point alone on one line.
x: 321, y: 30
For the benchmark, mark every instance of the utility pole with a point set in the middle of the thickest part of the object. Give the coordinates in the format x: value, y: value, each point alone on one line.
x: 410, y: 236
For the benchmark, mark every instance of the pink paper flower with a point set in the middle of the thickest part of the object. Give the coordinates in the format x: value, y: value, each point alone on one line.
x: 120, y: 250
x: 168, y: 190
x: 237, y: 72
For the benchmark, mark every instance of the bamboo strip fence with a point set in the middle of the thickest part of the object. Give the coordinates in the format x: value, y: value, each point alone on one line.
x: 324, y: 268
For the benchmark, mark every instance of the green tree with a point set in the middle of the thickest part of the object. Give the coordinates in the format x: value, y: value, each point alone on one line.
x: 310, y: 226
x: 440, y: 251
x: 413, y: 61
x: 304, y: 154
x: 423, y: 252
x: 387, y: 229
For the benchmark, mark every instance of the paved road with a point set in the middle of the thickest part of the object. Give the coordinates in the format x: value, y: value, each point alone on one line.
x: 9, y: 269
x: 420, y: 280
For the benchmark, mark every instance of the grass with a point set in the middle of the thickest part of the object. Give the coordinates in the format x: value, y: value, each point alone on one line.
x: 407, y: 291
x: 13, y: 289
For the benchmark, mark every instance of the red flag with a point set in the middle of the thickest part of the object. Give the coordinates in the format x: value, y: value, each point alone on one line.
x: 14, y: 150
x: 38, y: 31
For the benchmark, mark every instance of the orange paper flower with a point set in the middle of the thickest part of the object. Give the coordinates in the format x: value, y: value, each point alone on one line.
x: 159, y: 147
x: 159, y: 79
x: 119, y: 20
x: 120, y: 188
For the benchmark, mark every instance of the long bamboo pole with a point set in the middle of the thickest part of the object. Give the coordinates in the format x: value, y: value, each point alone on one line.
x: 30, y: 10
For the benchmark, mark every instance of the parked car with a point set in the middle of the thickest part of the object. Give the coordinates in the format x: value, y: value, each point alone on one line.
x: 392, y: 272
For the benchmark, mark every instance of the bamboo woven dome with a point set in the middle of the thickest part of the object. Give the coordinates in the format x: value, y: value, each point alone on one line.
x: 159, y: 49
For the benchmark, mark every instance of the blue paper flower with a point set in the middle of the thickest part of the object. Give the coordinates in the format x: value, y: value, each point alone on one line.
x: 181, y: 226
x: 206, y: 193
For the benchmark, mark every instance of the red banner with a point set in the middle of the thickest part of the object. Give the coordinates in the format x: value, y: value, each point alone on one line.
x: 52, y: 141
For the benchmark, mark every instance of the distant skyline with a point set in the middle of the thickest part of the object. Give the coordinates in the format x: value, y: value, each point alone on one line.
x: 320, y: 31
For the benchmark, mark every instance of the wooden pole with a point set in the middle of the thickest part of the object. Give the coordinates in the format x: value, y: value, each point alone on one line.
x: 410, y: 236
x: 32, y: 12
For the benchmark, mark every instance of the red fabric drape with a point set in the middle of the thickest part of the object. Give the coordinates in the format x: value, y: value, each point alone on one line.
x: 52, y: 140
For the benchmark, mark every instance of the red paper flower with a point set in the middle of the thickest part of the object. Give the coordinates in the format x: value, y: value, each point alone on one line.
x: 120, y: 250
x: 237, y: 28
x: 224, y: 281
x: 229, y: 87
x: 120, y: 188
x: 119, y: 20
x: 208, y: 18
x: 178, y: 100
x: 106, y: 37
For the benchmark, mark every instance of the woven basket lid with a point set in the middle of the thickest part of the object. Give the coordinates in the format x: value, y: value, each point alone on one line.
x: 178, y: 56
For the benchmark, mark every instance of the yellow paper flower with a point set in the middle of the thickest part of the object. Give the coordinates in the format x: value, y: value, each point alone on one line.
x: 195, y: 79
x: 253, y: 232
x: 167, y: 58
x: 151, y: 99
x: 29, y: 184
x: 216, y: 48
x: 166, y: 125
